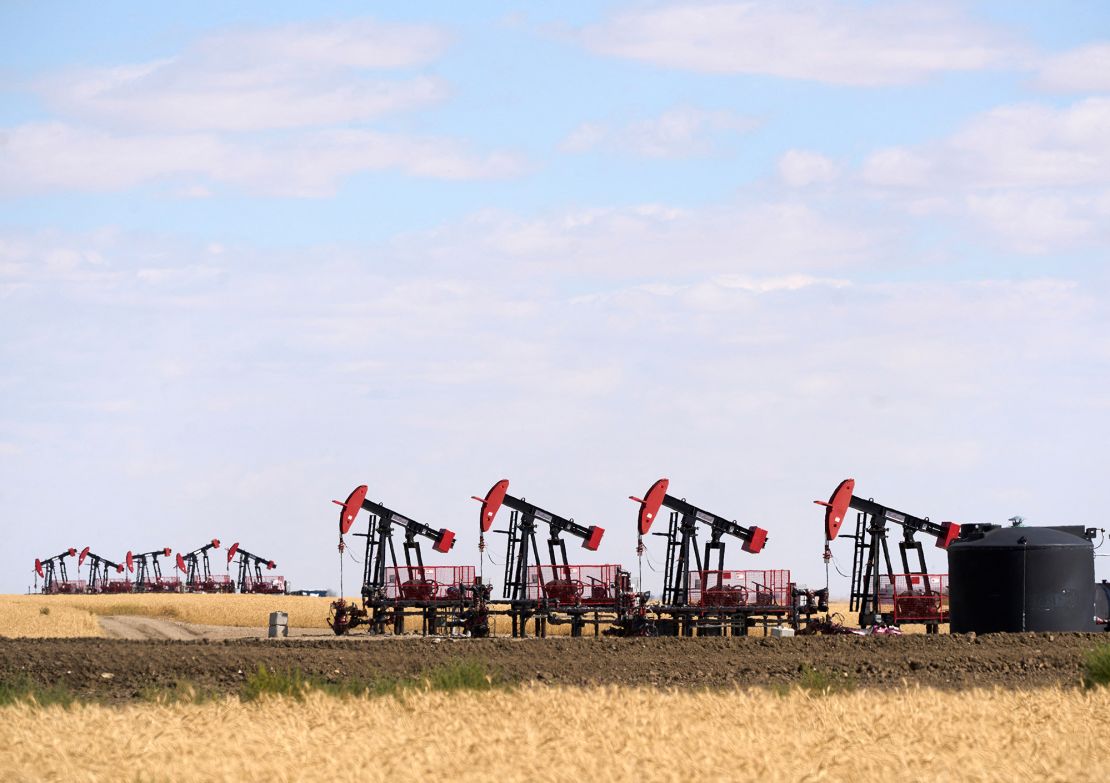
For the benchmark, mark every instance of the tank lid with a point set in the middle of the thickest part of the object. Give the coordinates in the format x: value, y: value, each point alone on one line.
x: 1022, y: 537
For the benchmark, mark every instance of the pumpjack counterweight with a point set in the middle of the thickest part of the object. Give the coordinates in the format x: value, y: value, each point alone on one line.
x: 874, y: 578
x: 444, y: 597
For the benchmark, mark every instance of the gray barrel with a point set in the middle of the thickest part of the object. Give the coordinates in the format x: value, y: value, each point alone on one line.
x: 1021, y: 579
x: 279, y: 625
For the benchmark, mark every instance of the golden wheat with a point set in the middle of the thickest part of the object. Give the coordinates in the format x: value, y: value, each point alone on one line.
x: 26, y: 619
x: 544, y: 734
x: 75, y: 615
x: 233, y: 610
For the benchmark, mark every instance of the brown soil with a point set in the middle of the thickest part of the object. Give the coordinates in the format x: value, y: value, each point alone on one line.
x: 121, y: 669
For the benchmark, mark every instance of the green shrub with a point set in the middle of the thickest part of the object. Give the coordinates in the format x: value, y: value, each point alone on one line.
x: 275, y: 683
x: 1096, y: 667
x: 23, y: 689
x: 464, y: 675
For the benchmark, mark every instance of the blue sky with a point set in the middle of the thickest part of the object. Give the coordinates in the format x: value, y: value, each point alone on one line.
x: 252, y: 257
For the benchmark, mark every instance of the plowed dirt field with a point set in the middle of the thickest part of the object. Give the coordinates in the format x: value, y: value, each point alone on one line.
x: 115, y: 669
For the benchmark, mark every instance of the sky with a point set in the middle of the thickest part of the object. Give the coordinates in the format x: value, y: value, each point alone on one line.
x: 254, y: 256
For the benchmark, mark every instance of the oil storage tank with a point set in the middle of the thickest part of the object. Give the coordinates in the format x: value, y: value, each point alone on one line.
x: 1021, y: 579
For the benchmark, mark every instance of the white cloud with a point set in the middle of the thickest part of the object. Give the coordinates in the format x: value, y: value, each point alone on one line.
x: 1085, y: 69
x: 836, y: 42
x: 760, y: 237
x: 49, y: 156
x: 1034, y: 222
x: 1037, y: 177
x: 676, y: 133
x: 284, y: 77
x: 276, y: 111
x: 800, y: 168
x: 1011, y: 146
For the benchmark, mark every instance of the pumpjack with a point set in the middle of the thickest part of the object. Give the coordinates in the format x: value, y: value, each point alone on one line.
x: 442, y: 596
x: 100, y: 568
x: 549, y: 591
x: 250, y: 578
x: 698, y: 592
x: 52, y: 571
x: 148, y: 572
x: 198, y: 572
x: 874, y: 579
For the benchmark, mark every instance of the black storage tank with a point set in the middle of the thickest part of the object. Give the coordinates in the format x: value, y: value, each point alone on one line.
x: 1021, y: 579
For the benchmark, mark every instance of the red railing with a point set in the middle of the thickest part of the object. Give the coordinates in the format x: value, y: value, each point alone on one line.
x: 116, y: 586
x: 267, y: 584
x: 914, y: 598
x: 740, y: 588
x: 66, y: 588
x: 574, y: 585
x: 215, y: 584
x: 165, y: 584
x: 427, y: 583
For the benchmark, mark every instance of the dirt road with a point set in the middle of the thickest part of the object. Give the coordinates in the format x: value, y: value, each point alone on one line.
x: 140, y: 628
x: 134, y: 667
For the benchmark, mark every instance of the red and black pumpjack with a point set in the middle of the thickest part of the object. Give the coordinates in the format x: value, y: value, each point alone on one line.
x: 198, y: 571
x: 52, y: 571
x: 100, y: 571
x: 148, y: 572
x: 557, y: 591
x: 699, y: 594
x: 251, y: 579
x: 882, y: 595
x: 442, y: 596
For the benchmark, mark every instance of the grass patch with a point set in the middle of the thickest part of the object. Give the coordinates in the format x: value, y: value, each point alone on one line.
x: 136, y: 609
x: 818, y: 682
x: 1096, y: 667
x: 459, y: 676
x: 465, y: 675
x: 23, y: 689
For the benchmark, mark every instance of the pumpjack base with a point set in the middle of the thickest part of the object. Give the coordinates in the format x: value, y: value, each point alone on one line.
x: 432, y: 618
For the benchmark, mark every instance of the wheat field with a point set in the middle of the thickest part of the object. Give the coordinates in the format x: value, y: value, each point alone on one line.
x: 19, y: 618
x: 75, y: 615
x: 545, y: 734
